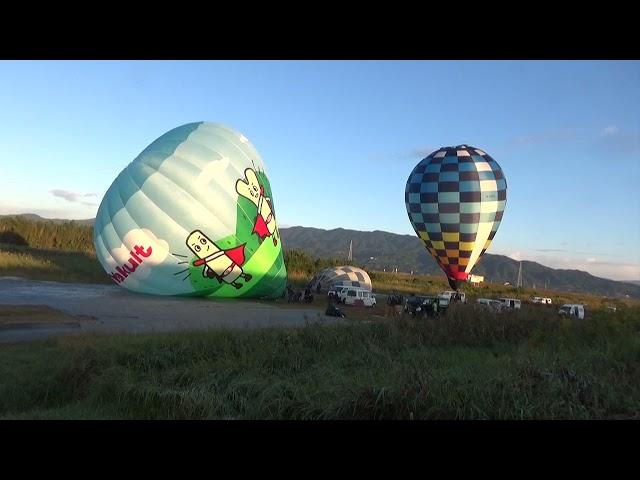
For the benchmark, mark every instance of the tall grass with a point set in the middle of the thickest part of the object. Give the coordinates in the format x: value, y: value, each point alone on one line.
x: 52, y: 265
x: 471, y: 364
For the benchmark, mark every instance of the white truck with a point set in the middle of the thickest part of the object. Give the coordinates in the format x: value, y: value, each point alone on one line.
x: 357, y: 296
x: 510, y: 303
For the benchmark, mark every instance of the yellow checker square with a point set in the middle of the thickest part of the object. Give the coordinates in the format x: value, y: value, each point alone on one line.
x: 463, y: 261
x: 488, y: 186
x: 466, y: 246
x: 438, y: 244
x: 487, y: 243
x: 452, y: 253
x: 483, y: 167
x: 489, y: 207
x: 423, y: 235
x: 451, y: 236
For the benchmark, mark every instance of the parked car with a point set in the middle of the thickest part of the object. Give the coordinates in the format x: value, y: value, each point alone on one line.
x: 413, y: 305
x: 572, y: 309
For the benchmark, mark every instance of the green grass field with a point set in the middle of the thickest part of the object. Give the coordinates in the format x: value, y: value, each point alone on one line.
x: 471, y: 364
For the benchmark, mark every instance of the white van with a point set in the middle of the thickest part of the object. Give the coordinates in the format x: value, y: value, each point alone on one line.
x: 489, y: 302
x: 449, y: 294
x: 510, y: 302
x: 356, y: 295
x: 572, y: 309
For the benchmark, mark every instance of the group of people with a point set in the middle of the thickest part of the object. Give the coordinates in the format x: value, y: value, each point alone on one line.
x: 297, y: 296
x: 394, y: 304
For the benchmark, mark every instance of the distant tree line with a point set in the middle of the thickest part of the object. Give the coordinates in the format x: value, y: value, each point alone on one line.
x: 46, y: 234
x: 302, y: 262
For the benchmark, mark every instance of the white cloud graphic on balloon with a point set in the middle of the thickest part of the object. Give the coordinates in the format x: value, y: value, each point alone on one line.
x: 151, y: 251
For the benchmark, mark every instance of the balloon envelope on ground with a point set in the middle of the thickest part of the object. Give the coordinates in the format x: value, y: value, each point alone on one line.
x: 455, y: 199
x: 341, y: 276
x: 193, y: 214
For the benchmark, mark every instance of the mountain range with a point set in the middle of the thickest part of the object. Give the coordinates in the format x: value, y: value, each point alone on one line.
x: 380, y: 250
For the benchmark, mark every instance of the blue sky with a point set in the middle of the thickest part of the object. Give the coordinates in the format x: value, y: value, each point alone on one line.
x: 339, y: 139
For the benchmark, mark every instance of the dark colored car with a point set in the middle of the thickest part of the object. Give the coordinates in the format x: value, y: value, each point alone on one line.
x: 413, y: 305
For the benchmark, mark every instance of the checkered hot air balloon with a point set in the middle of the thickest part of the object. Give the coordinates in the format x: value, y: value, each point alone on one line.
x: 455, y: 199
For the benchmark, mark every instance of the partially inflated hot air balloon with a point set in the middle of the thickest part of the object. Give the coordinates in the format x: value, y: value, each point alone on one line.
x: 193, y: 214
x: 455, y: 199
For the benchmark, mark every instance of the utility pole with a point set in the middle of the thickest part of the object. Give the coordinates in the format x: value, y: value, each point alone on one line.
x: 519, y: 283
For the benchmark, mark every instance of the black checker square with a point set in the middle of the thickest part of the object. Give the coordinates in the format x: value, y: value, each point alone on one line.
x: 470, y: 196
x: 469, y: 218
x: 467, y: 176
x: 430, y: 197
x: 449, y: 208
x: 450, y: 227
x: 449, y: 167
x: 449, y: 187
x: 467, y: 237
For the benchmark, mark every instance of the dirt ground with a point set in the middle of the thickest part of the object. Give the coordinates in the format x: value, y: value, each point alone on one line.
x: 33, y: 310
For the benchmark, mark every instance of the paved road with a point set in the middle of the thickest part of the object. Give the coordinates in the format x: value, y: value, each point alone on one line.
x: 112, y: 309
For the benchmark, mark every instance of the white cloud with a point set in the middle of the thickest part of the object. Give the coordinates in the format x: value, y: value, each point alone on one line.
x: 610, y: 130
x: 599, y: 268
x: 515, y: 256
x: 73, y: 196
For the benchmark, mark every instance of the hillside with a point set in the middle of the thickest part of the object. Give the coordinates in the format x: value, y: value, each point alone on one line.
x: 380, y: 250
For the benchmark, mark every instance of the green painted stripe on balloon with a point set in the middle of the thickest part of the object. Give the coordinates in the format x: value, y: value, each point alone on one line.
x: 261, y: 261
